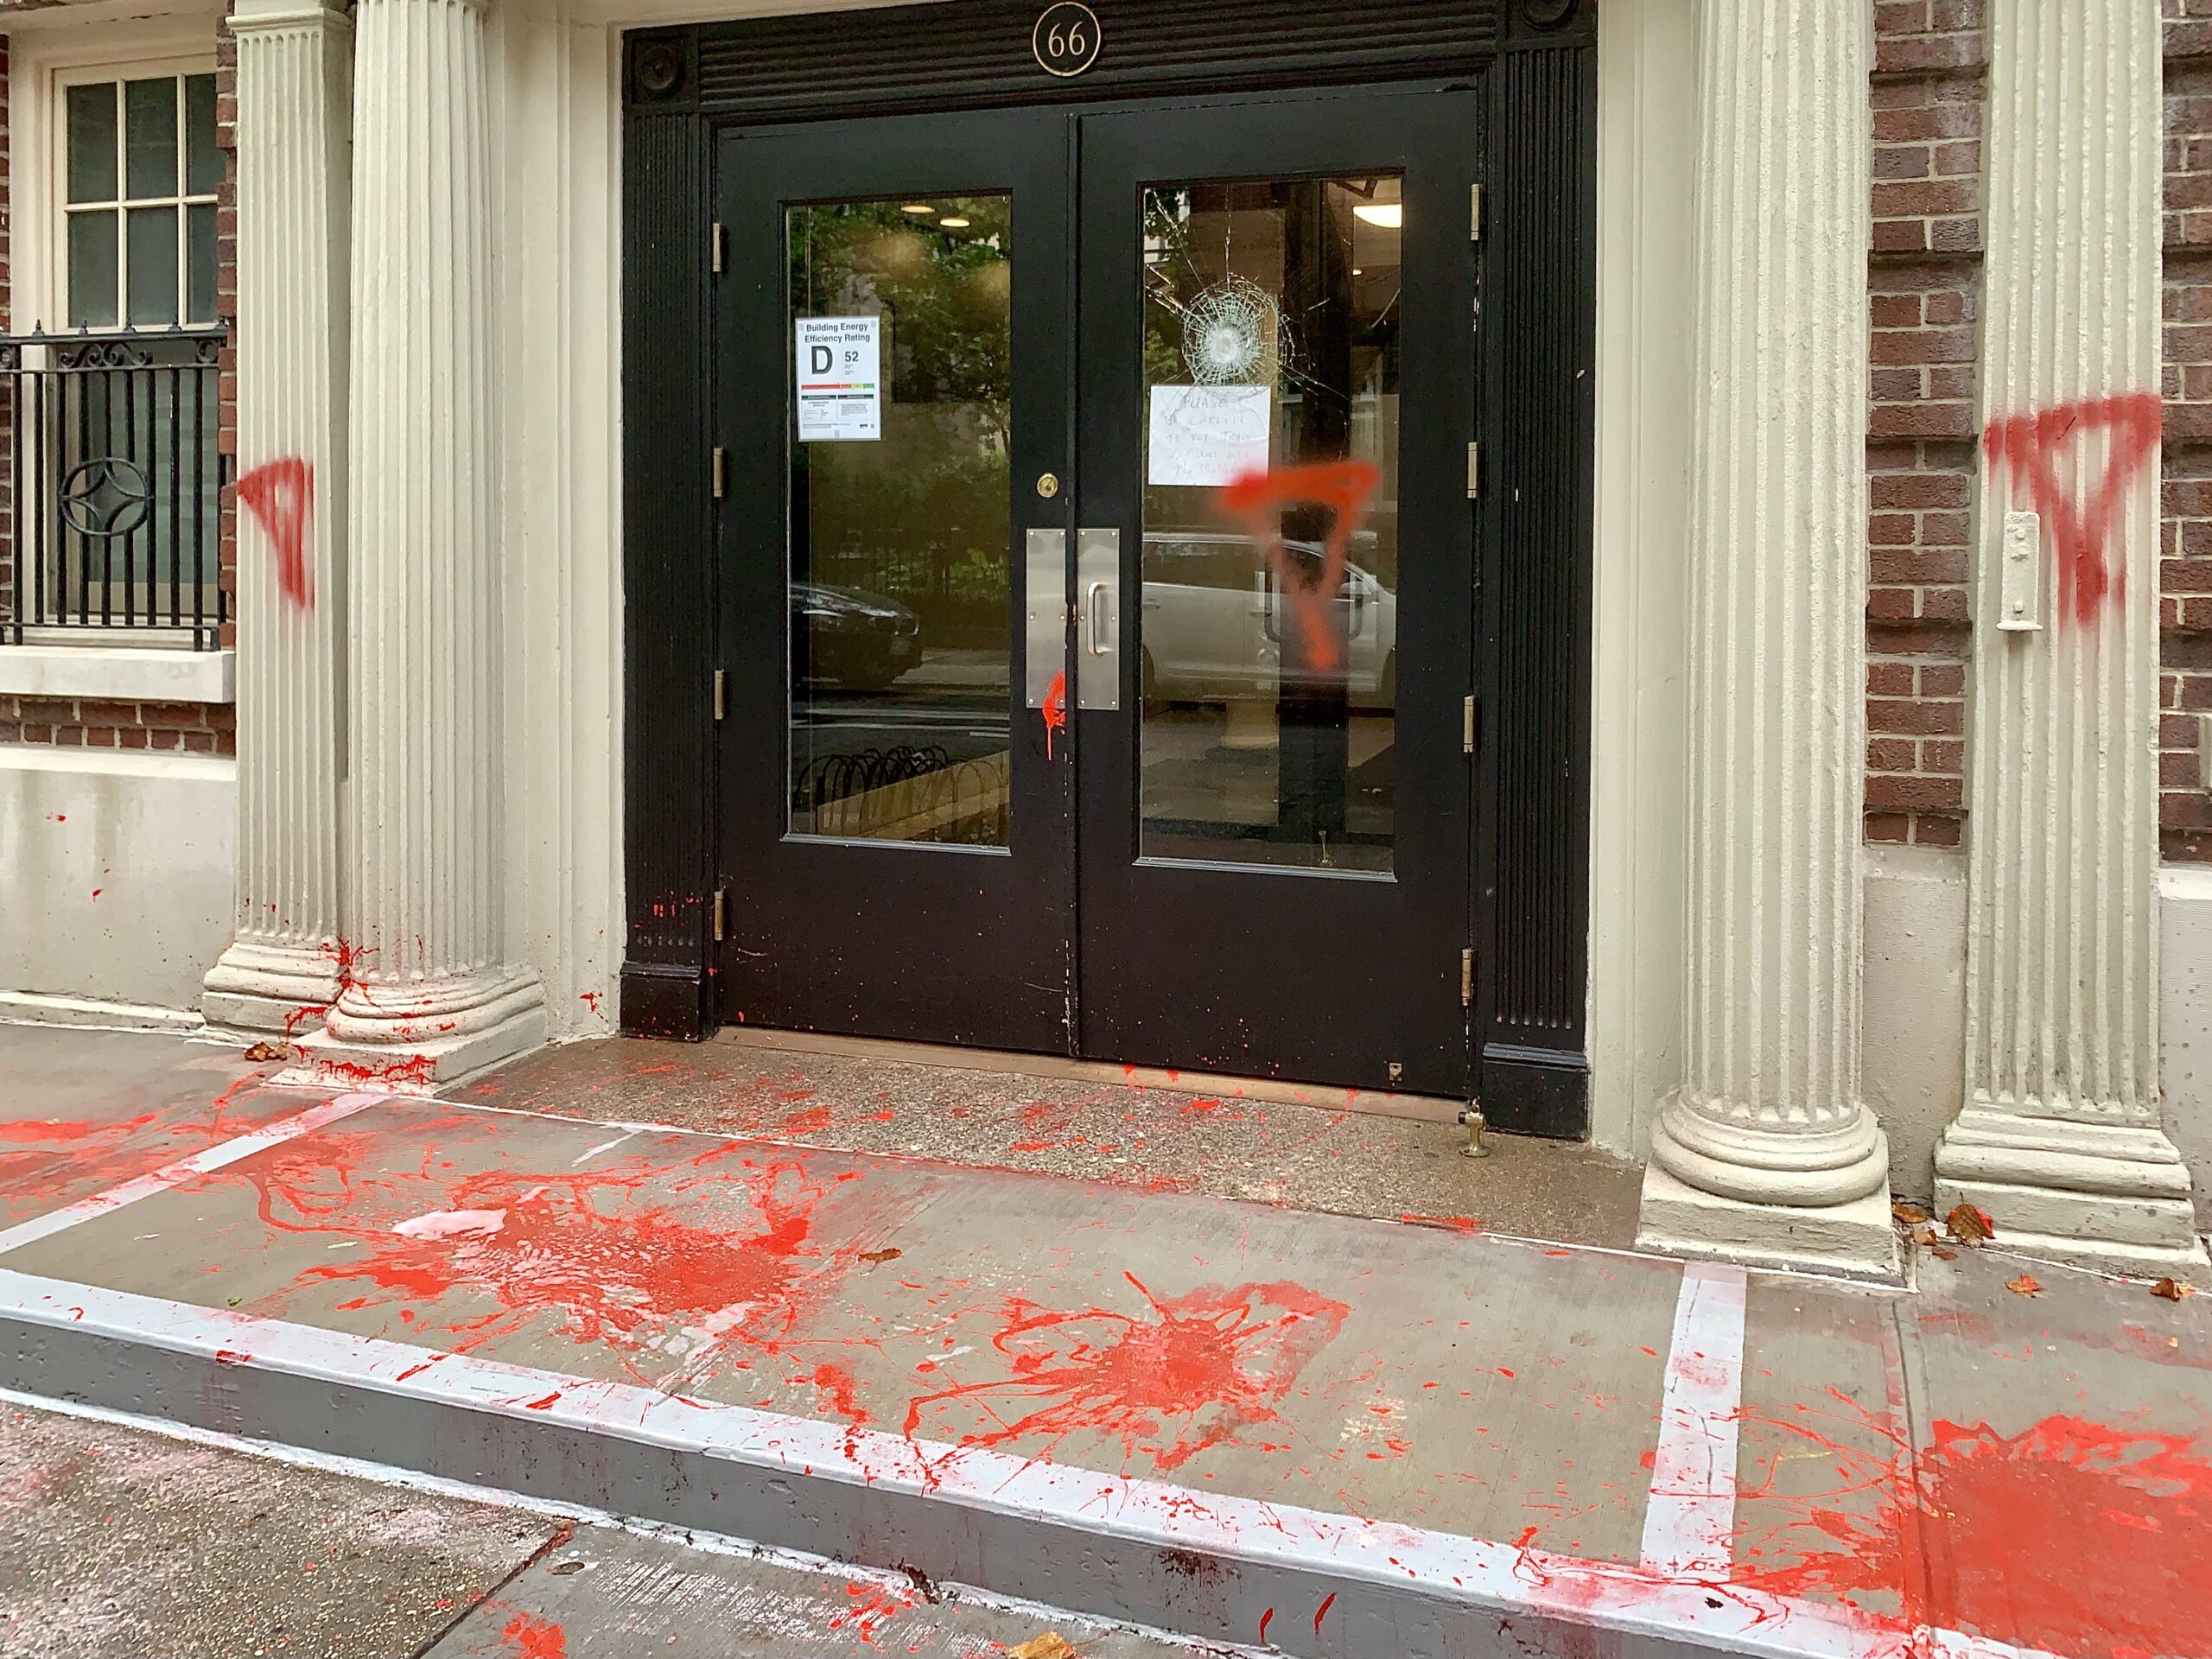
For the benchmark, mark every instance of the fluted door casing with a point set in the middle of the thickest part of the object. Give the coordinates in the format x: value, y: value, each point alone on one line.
x: 2059, y: 1140
x: 293, y: 62
x: 1767, y: 1152
x: 428, y: 977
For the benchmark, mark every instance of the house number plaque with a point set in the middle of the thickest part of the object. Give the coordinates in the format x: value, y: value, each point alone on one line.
x: 1065, y: 39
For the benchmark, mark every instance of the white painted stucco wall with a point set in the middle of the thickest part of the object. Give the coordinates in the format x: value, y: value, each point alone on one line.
x: 115, y: 880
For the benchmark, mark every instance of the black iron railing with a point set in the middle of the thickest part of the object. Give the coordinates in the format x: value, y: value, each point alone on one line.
x: 110, y: 505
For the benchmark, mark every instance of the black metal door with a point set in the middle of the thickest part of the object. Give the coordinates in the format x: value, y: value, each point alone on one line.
x: 893, y: 378
x: 1274, y: 586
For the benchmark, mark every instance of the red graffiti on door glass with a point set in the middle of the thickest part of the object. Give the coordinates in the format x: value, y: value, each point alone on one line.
x: 1344, y: 487
x: 1055, y: 710
x: 280, y: 494
x: 2030, y: 447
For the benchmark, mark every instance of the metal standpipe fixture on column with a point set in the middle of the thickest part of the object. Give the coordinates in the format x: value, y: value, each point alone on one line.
x: 1767, y: 1154
x: 431, y: 995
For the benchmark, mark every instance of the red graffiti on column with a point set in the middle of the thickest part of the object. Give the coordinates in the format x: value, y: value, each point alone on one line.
x: 2030, y: 446
x: 280, y: 494
x: 1344, y: 486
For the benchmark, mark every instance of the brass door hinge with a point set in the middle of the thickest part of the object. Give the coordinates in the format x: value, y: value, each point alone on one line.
x: 1474, y: 216
x: 721, y: 470
x: 1467, y: 726
x: 717, y: 240
x: 1474, y: 470
x: 1467, y: 977
x: 721, y: 693
x: 721, y: 912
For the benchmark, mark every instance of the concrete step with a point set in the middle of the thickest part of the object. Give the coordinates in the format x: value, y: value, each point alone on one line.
x: 1252, y: 1426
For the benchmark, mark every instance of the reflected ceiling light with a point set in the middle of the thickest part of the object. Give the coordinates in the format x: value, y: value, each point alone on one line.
x: 953, y: 223
x: 1390, y: 215
x: 917, y: 207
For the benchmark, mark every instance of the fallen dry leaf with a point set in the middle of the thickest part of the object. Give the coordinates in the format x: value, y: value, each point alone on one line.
x: 1942, y: 1253
x: 1906, y: 1211
x: 2172, y: 1289
x: 2025, y: 1284
x: 1969, y: 1226
x: 1051, y: 1645
x: 881, y: 1255
x: 1924, y: 1234
x: 267, y: 1052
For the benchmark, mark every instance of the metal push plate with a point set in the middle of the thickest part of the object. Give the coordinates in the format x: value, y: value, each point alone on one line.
x: 1099, y: 619
x: 1045, y: 601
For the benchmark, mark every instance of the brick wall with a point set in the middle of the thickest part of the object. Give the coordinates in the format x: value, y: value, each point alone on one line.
x: 205, y: 727
x: 1924, y: 283
x: 2185, y: 547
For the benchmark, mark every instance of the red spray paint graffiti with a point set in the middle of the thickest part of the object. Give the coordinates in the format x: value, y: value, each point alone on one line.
x: 1344, y: 487
x: 1212, y: 1363
x: 2030, y: 447
x: 1055, y: 710
x: 280, y: 494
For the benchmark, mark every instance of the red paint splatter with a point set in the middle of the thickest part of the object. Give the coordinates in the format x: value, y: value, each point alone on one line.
x: 1346, y: 487
x: 1322, y: 1611
x: 280, y: 494
x: 873, y: 1606
x: 589, y: 1251
x: 2070, y: 1536
x: 97, y: 891
x: 1055, y: 710
x: 2030, y: 447
x: 590, y: 1000
x: 1212, y: 1363
x: 528, y: 1637
x: 1264, y: 1617
x: 546, y: 1404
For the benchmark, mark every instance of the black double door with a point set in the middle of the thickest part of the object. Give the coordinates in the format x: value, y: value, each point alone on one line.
x: 1097, y: 556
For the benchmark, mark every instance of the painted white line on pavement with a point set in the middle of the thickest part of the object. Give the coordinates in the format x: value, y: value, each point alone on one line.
x: 1689, y: 1522
x: 1483, y: 1574
x: 176, y: 1174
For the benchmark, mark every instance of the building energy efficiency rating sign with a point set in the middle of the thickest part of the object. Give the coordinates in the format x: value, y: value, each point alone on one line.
x: 840, y: 383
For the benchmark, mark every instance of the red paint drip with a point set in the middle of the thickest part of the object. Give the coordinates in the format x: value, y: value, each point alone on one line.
x: 280, y: 494
x: 1210, y: 1364
x: 1264, y: 1617
x: 1322, y: 1611
x: 1055, y: 709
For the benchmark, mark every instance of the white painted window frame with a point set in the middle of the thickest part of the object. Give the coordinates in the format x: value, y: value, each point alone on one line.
x: 43, y: 60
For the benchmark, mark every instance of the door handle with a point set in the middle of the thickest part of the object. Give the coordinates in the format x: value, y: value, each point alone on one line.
x: 1098, y: 577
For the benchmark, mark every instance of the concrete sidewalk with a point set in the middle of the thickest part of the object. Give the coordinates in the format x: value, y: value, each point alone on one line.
x: 1325, y: 1435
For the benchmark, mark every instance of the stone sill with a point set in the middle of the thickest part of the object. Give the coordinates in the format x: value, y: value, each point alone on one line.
x: 118, y: 673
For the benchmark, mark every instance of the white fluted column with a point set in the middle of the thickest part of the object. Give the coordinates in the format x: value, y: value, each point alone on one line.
x: 294, y: 115
x: 1767, y: 1153
x: 431, y: 996
x: 2060, y: 1140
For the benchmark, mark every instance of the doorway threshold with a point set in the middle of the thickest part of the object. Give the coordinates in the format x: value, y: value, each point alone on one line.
x: 1054, y: 1068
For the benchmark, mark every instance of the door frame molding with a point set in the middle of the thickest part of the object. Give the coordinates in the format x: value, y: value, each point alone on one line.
x: 1537, y: 60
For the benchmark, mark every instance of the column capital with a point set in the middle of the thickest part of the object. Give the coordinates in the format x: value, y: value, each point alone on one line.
x: 259, y: 16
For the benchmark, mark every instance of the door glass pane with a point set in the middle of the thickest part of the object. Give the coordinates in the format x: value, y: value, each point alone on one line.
x: 1269, y: 624
x: 149, y: 137
x: 92, y: 163
x: 93, y: 250
x: 153, y: 264
x: 901, y: 518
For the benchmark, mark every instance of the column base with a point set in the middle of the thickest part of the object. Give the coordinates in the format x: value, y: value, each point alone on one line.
x: 1856, y: 1240
x: 2110, y: 1197
x: 417, y: 1037
x: 257, y: 986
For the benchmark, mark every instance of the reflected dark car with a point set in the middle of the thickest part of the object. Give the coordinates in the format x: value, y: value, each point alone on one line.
x: 841, y: 636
